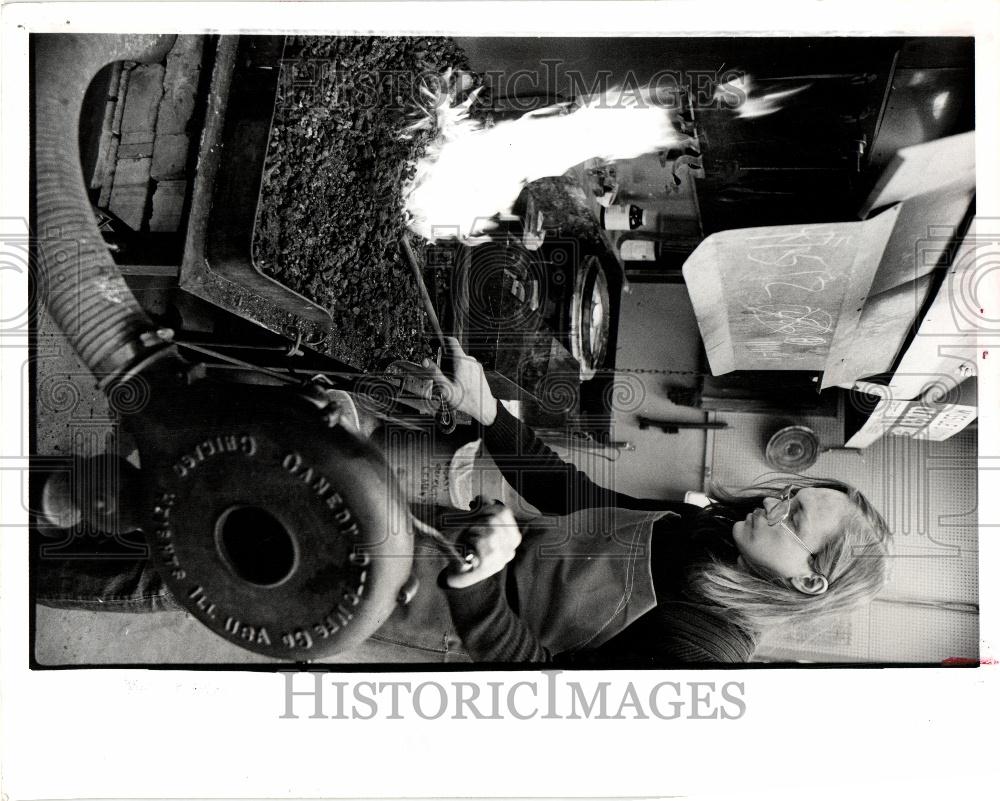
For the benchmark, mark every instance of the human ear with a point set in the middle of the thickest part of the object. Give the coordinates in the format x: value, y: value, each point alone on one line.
x: 813, y: 584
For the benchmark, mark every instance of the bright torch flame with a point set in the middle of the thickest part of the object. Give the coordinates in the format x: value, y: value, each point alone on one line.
x: 471, y: 173
x: 754, y: 102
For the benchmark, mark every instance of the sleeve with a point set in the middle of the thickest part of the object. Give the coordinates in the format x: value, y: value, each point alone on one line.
x: 670, y: 634
x: 489, y: 629
x: 542, y: 478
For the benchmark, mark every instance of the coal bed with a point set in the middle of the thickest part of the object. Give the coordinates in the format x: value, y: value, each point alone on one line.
x: 331, y: 206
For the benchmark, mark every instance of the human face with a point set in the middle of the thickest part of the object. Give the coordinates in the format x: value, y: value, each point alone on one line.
x: 817, y: 515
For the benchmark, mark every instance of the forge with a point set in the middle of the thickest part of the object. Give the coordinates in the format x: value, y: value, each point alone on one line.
x: 298, y: 215
x: 297, y: 206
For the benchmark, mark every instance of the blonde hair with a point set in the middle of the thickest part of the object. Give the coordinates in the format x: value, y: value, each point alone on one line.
x: 855, y: 564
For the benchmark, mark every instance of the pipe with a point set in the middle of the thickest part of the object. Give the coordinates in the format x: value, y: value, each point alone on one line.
x: 82, y: 287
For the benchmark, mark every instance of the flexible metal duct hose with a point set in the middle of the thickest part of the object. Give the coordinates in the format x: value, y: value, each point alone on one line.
x: 77, y: 278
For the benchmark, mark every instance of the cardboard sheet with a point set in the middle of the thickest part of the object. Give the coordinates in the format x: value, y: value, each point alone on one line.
x: 771, y: 298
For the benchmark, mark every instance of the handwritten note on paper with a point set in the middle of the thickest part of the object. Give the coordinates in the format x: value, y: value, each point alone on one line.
x: 770, y: 298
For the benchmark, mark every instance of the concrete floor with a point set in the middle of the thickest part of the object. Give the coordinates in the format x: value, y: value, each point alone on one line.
x: 82, y: 637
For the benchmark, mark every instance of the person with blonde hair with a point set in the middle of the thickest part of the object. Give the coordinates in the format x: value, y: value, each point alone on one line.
x: 602, y: 578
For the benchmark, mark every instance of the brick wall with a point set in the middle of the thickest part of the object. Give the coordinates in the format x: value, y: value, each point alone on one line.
x: 144, y: 163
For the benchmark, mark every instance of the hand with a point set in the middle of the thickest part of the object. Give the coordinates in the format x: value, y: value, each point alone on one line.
x: 463, y: 383
x: 493, y: 540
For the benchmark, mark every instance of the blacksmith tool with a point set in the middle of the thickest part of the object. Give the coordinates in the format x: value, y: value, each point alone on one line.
x: 444, y: 416
x: 673, y: 426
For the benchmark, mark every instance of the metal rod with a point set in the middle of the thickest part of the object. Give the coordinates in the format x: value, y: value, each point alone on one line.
x: 237, y: 362
x: 825, y: 76
x: 464, y: 562
x: 293, y: 372
x: 425, y: 298
x: 670, y: 426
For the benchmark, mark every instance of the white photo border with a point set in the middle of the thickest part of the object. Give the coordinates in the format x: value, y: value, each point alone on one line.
x: 210, y: 734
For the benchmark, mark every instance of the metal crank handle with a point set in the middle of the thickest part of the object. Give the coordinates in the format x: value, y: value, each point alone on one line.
x: 468, y: 563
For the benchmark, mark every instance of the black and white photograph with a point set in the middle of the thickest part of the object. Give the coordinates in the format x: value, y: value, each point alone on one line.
x: 556, y: 374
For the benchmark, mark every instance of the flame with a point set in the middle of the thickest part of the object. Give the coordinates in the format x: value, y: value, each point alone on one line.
x: 755, y: 103
x: 471, y: 173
